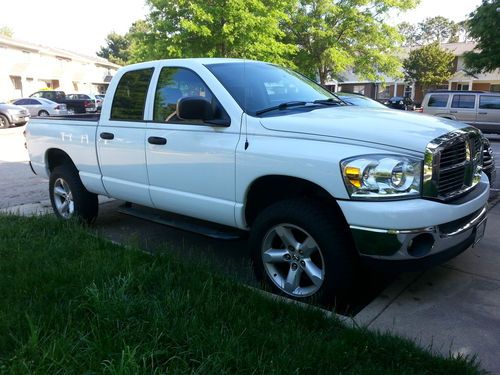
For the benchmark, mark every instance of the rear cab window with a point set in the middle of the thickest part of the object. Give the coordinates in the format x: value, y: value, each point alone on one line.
x: 130, y: 96
x: 438, y: 100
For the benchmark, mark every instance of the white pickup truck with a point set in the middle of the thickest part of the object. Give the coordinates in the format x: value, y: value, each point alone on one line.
x: 321, y: 186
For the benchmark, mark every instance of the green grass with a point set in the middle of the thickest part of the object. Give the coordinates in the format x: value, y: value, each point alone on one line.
x: 75, y: 303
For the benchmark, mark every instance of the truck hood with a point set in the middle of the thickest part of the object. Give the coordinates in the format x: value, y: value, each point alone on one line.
x: 389, y: 127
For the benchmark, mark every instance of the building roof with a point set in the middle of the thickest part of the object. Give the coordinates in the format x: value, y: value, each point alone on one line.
x: 56, y: 52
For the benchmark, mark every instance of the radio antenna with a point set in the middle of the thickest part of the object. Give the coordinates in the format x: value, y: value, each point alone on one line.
x: 245, y: 116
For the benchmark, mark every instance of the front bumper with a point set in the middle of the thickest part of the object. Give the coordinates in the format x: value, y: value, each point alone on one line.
x: 412, y: 234
x: 20, y: 119
x: 409, y: 250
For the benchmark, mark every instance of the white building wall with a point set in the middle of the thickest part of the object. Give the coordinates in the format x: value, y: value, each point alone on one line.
x: 26, y: 68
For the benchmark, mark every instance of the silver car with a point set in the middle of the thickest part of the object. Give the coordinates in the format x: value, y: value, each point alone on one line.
x: 42, y: 107
x: 11, y: 115
x: 478, y: 108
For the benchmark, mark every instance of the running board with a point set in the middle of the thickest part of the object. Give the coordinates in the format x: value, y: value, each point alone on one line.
x: 187, y: 224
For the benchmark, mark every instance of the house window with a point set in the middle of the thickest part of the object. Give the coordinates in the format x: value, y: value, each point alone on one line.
x: 384, y: 93
x: 16, y: 82
x: 463, y: 86
x: 359, y: 89
x: 495, y: 88
x: 408, y: 91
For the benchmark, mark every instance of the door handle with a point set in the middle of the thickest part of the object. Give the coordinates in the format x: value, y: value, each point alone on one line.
x: 453, y: 111
x: 482, y: 113
x: 107, y: 135
x: 157, y: 140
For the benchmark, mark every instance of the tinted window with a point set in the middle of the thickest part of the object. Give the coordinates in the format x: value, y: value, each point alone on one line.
x: 489, y: 102
x: 130, y: 95
x: 21, y: 102
x: 36, y: 102
x: 438, y: 100
x: 177, y: 83
x: 463, y: 101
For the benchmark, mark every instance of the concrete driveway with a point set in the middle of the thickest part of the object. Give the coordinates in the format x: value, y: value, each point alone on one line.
x: 454, y: 308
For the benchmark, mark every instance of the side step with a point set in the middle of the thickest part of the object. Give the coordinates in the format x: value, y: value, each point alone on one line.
x: 187, y: 224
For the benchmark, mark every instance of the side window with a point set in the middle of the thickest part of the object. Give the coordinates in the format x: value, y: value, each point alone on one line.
x: 438, y: 100
x: 489, y: 102
x: 36, y: 95
x: 34, y: 102
x: 130, y: 96
x: 463, y: 101
x: 21, y: 102
x: 175, y: 84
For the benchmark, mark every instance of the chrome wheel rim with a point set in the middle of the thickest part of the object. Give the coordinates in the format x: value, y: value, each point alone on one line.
x: 293, y: 260
x: 63, y: 198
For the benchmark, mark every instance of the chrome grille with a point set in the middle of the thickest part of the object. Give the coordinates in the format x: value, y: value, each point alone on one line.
x: 487, y: 158
x: 453, y: 164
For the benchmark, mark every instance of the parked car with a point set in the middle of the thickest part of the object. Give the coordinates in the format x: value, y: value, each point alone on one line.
x: 400, y: 102
x: 11, y: 114
x: 359, y: 100
x: 478, y: 108
x: 94, y: 98
x: 73, y: 105
x: 42, y: 107
x: 320, y: 186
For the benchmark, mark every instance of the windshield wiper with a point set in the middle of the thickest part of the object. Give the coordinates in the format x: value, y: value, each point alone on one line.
x: 281, y: 107
x: 329, y: 101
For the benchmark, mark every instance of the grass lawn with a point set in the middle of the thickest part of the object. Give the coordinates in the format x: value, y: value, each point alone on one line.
x: 75, y: 303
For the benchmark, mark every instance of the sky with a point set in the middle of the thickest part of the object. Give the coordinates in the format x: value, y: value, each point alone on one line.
x: 81, y: 26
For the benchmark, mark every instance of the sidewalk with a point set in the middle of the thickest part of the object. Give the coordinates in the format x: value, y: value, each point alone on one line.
x: 454, y: 308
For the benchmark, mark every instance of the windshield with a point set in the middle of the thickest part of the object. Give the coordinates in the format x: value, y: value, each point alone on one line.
x: 259, y: 86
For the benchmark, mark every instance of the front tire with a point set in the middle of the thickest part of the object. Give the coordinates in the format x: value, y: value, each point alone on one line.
x: 300, y: 250
x: 43, y: 113
x: 68, y: 196
x: 4, y: 122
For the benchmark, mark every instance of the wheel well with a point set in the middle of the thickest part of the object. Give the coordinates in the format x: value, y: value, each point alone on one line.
x: 56, y: 157
x: 270, y: 189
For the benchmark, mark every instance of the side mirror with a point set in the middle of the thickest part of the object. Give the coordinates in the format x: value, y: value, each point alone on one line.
x: 199, y: 108
x: 194, y: 108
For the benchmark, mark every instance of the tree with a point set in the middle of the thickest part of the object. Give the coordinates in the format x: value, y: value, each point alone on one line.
x: 216, y: 28
x: 429, y: 65
x: 484, y: 27
x: 334, y: 36
x: 116, y: 49
x: 6, y: 31
x: 434, y: 29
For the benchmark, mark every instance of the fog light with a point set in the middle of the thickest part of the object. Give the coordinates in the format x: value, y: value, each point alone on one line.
x: 421, y: 245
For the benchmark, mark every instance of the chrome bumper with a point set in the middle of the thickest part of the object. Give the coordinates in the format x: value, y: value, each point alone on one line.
x: 414, y: 244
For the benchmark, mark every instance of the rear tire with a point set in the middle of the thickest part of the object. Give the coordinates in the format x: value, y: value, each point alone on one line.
x: 43, y: 113
x: 4, y: 122
x: 68, y: 196
x: 302, y: 251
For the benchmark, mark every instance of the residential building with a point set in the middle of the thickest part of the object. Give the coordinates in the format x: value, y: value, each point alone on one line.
x: 388, y: 87
x: 26, y: 67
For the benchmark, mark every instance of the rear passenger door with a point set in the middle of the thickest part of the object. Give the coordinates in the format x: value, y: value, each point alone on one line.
x: 488, y: 113
x: 463, y: 108
x: 121, y: 139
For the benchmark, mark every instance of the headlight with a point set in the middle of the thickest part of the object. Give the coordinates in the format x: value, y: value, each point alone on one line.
x: 382, y: 176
